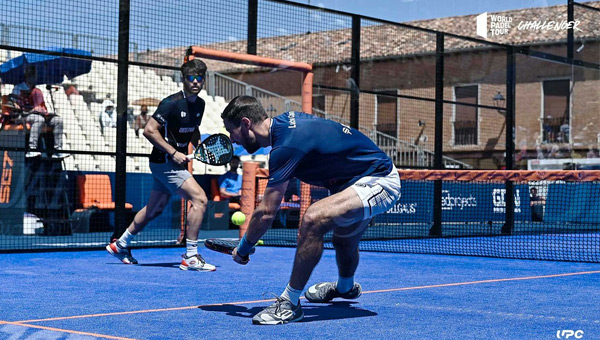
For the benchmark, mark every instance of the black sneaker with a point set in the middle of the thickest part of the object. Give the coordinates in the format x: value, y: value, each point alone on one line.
x: 282, y: 311
x: 326, y: 291
x: 123, y: 254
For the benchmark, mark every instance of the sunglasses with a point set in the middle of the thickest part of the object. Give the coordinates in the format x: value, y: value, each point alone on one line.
x: 191, y: 78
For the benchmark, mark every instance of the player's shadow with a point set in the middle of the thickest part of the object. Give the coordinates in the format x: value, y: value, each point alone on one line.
x: 165, y: 265
x: 312, y: 312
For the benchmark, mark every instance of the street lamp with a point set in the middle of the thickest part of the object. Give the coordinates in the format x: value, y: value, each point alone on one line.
x: 499, y: 103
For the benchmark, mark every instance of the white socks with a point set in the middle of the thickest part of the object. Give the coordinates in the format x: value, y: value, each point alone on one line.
x: 125, y: 239
x: 191, y: 247
x: 292, y: 295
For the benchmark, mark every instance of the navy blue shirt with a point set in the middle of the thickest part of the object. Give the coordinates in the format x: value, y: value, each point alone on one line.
x: 179, y: 120
x: 322, y: 152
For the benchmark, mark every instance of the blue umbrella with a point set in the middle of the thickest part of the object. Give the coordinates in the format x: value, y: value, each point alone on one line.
x: 51, y: 69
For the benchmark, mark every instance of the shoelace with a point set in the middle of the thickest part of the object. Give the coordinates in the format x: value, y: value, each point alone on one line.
x: 278, y: 301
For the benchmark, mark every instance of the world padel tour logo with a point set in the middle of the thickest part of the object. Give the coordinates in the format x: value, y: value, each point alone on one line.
x: 498, y: 25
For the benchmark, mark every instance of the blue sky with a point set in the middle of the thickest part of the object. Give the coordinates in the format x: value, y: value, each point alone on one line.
x: 410, y: 10
x: 93, y: 24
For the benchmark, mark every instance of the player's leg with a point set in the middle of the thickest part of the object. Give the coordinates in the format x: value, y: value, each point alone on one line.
x: 37, y: 123
x: 319, y: 218
x: 56, y: 123
x: 341, y: 209
x: 156, y: 204
x: 159, y: 197
x: 376, y: 194
x: 345, y: 242
x: 191, y: 191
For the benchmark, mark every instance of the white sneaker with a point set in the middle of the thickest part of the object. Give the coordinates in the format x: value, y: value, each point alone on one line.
x: 196, y: 262
x: 31, y: 154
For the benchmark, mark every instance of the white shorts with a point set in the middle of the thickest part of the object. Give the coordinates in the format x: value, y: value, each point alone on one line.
x: 378, y: 194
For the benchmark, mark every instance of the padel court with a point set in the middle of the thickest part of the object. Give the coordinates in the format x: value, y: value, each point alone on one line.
x: 89, y: 295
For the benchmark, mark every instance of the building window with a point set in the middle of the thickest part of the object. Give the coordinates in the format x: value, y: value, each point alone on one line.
x: 556, y: 115
x: 465, y: 117
x: 387, y: 112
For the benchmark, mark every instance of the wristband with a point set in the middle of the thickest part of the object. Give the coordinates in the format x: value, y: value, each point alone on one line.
x: 244, y: 248
x: 174, y: 152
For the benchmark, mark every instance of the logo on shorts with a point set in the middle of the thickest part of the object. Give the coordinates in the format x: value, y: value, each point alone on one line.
x: 183, y: 114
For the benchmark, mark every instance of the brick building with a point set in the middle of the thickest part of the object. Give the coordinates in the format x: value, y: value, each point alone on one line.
x: 557, y: 105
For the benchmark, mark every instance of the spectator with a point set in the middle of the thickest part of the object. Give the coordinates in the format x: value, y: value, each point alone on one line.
x: 537, y: 205
x: 591, y: 152
x: 141, y: 120
x: 30, y: 99
x: 71, y: 89
x: 107, y: 118
x: 230, y: 183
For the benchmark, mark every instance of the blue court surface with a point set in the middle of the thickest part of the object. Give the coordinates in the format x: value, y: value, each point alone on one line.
x: 90, y: 295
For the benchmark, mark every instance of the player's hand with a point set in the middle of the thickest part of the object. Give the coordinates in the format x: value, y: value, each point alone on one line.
x: 180, y: 158
x: 243, y: 260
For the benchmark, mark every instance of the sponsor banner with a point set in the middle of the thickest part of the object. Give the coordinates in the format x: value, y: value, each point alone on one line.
x: 12, y: 193
x: 573, y: 203
x: 461, y: 202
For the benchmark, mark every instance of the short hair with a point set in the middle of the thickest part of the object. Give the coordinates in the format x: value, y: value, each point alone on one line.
x: 194, y: 66
x: 244, y: 106
x: 233, y: 158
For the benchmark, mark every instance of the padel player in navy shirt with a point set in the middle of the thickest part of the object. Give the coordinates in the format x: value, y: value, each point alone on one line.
x: 172, y: 127
x: 363, y: 183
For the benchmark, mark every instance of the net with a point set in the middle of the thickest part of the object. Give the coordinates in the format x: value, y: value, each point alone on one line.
x: 555, y: 216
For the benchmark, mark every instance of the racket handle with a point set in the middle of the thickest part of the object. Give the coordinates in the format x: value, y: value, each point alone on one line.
x: 190, y: 156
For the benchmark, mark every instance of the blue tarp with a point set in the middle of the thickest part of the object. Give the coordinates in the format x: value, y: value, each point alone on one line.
x: 51, y: 69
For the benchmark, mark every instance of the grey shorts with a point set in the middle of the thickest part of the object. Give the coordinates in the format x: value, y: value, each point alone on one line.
x: 168, y: 177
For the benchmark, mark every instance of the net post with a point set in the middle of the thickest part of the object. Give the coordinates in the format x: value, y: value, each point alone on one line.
x: 307, y: 92
x: 248, y: 200
x: 510, y: 138
x: 436, y: 228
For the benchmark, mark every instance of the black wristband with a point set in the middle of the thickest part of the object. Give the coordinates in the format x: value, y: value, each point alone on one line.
x: 174, y: 152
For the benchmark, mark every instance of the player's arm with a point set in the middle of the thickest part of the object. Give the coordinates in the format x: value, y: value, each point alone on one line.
x: 260, y: 221
x: 151, y: 132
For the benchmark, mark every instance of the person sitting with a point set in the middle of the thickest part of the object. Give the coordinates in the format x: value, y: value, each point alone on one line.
x: 107, y: 118
x: 30, y: 99
x: 230, y: 183
x: 141, y: 120
x: 537, y: 205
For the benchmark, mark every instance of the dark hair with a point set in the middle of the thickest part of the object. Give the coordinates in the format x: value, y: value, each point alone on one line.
x: 244, y: 106
x: 233, y: 158
x: 194, y: 66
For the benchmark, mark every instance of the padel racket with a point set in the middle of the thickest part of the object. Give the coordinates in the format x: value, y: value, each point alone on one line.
x: 223, y: 246
x: 214, y: 150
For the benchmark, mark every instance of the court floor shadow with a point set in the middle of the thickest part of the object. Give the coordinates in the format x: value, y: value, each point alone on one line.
x: 312, y: 312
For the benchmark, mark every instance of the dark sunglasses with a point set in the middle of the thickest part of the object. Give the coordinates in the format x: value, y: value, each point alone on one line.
x: 191, y: 78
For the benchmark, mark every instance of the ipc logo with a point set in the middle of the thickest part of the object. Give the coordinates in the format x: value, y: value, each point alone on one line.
x: 569, y: 333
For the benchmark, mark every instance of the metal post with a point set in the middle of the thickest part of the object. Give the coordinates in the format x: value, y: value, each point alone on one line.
x: 355, y: 75
x: 252, y: 26
x: 122, y: 80
x: 510, y: 138
x: 436, y: 229
x: 570, y: 35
